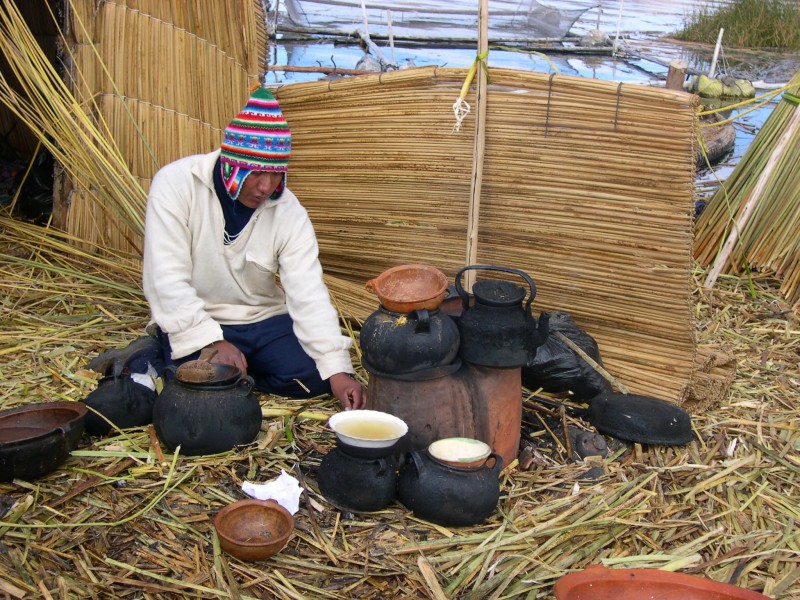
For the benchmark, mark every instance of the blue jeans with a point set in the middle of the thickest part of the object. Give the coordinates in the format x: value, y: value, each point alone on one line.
x: 275, y: 359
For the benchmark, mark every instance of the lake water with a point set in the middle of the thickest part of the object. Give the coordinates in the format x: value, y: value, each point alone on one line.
x: 639, y: 28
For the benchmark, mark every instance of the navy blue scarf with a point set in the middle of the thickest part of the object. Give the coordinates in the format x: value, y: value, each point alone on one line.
x: 236, y: 214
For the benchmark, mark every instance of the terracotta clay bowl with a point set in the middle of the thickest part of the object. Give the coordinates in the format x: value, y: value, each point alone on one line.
x: 599, y: 583
x: 411, y: 287
x: 253, y: 529
x: 465, y: 453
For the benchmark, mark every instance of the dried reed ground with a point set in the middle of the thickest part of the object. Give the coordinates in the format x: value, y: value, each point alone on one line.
x: 725, y: 507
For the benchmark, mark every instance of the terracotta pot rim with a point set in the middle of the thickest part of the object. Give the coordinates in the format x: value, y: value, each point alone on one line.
x: 78, y: 412
x: 638, y: 584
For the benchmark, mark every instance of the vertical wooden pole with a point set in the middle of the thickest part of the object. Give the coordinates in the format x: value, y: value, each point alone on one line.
x: 713, y: 68
x: 676, y: 74
x: 599, y: 12
x: 479, y: 145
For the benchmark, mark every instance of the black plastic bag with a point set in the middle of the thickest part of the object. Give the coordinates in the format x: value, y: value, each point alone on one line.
x: 558, y: 368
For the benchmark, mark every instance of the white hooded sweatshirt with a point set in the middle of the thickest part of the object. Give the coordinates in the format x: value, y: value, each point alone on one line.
x: 194, y: 282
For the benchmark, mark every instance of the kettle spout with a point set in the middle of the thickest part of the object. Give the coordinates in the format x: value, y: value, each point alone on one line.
x: 539, y: 334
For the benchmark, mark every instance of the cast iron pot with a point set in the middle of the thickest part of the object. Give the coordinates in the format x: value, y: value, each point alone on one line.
x: 397, y: 343
x: 207, y: 419
x: 357, y: 484
x: 449, y: 495
x: 34, y: 456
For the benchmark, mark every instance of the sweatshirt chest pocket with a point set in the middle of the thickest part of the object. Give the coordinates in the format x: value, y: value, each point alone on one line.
x: 259, y: 274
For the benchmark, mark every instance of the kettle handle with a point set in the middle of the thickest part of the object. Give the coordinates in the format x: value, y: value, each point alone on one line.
x: 170, y: 371
x: 498, y: 462
x: 416, y: 459
x: 247, y: 382
x: 423, y: 320
x: 523, y: 274
x: 383, y: 465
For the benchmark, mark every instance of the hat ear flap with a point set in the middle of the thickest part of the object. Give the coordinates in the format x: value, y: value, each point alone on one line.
x: 233, y: 177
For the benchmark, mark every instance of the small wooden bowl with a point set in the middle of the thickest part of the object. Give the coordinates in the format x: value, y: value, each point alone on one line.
x: 253, y: 529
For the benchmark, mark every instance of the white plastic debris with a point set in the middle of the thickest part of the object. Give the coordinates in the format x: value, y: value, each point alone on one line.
x: 284, y: 489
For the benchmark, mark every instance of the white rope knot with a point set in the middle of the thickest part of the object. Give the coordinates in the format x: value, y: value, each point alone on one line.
x: 461, y: 109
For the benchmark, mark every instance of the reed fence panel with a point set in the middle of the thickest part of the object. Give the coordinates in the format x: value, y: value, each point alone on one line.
x: 587, y: 187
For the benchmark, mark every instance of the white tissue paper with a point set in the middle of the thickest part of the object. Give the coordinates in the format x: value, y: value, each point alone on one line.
x: 284, y: 489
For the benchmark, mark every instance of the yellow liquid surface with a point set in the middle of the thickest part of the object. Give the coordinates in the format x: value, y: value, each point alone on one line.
x: 368, y: 430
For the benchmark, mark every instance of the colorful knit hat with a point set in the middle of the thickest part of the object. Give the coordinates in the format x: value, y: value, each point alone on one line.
x: 257, y: 139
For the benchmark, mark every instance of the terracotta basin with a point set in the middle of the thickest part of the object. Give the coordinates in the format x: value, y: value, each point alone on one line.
x: 599, y: 583
x: 406, y: 288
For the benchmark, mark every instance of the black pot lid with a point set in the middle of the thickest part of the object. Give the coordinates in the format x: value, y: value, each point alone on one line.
x: 223, y: 375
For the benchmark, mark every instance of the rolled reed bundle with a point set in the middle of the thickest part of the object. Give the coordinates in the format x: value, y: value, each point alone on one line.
x: 751, y: 221
x: 587, y: 186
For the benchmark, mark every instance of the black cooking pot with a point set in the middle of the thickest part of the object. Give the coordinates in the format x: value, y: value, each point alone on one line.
x: 357, y: 483
x: 449, y: 495
x: 203, y: 418
x: 33, y: 456
x: 404, y: 343
x: 35, y: 439
x: 496, y: 329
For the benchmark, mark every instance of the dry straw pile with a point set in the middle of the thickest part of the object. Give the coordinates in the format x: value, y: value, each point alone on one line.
x: 118, y: 520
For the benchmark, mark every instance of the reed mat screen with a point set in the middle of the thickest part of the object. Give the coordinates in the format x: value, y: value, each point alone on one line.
x: 587, y: 186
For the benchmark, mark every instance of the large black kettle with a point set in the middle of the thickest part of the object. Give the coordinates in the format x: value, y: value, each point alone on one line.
x: 399, y: 344
x: 120, y: 401
x: 496, y: 330
x: 207, y: 418
x: 356, y: 483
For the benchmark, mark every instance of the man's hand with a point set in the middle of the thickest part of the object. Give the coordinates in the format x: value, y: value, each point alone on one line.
x: 228, y: 354
x: 351, y: 393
